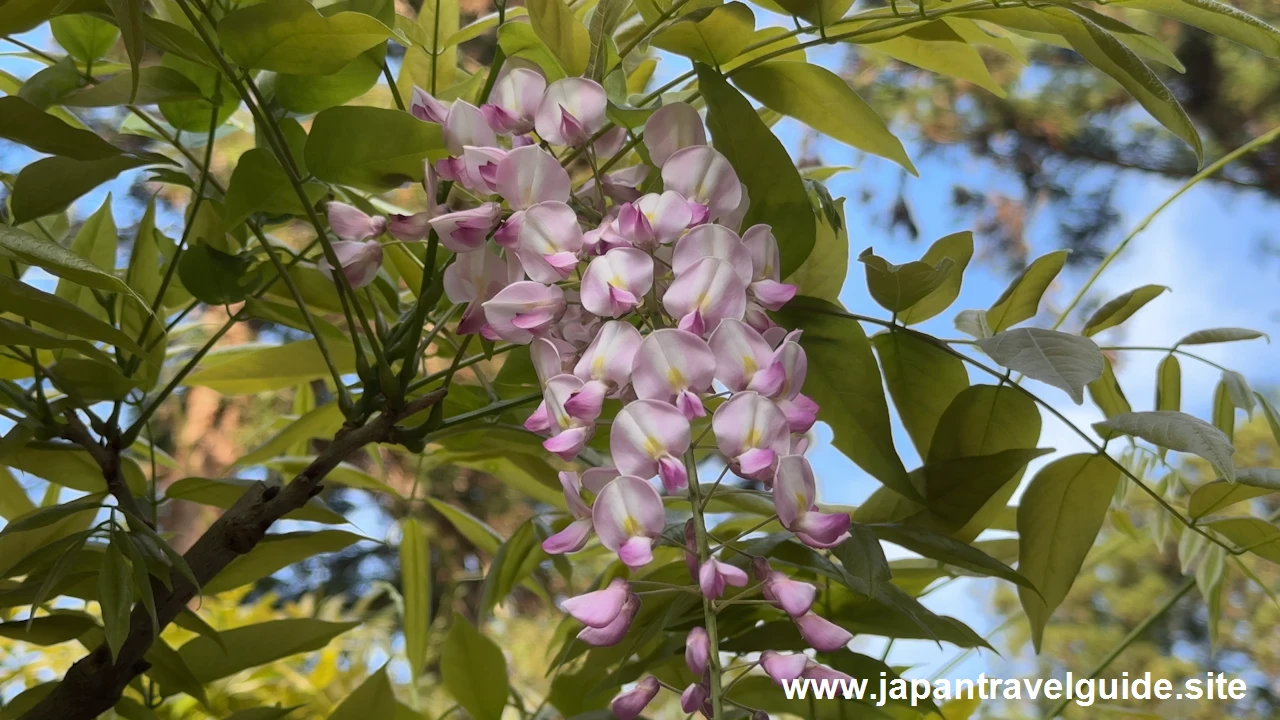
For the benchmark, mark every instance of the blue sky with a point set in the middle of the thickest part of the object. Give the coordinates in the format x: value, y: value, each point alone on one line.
x: 1204, y: 248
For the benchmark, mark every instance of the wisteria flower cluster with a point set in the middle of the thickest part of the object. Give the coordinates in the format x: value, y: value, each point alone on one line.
x: 637, y: 289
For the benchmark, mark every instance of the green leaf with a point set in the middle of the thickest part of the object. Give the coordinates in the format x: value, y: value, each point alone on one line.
x: 1068, y: 362
x: 46, y: 516
x: 322, y: 422
x: 1177, y: 431
x: 515, y: 461
x: 818, y: 12
x: 49, y: 185
x: 485, y: 538
x: 21, y: 15
x: 17, y: 545
x: 1268, y: 478
x: 70, y: 466
x: 373, y: 699
x: 1214, y: 496
x: 604, y: 22
x: 1120, y: 309
x: 371, y: 148
x: 290, y: 36
x: 1255, y: 534
x: 84, y: 37
x: 777, y: 193
x: 1021, y: 300
x: 958, y: 247
x: 864, y: 560
x: 276, y: 552
x: 342, y: 474
x: 957, y: 489
x: 115, y: 595
x: 51, y: 84
x: 91, y: 380
x: 1058, y: 518
x: 432, y: 62
x: 253, y: 645
x: 141, y: 578
x: 1220, y: 335
x: 1238, y: 390
x: 260, y: 184
x: 224, y: 493
x: 712, y: 36
x: 923, y: 379
x: 176, y: 40
x: 14, y: 502
x: 1217, y: 18
x: 984, y: 420
x: 54, y: 312
x: 1224, y: 413
x: 899, y: 287
x: 97, y: 242
x: 1169, y: 384
x: 193, y: 115
x: 1273, y: 418
x: 252, y: 369
x: 845, y: 381
x: 474, y: 671
x: 936, y: 47
x: 215, y: 277
x: 518, y: 40
x: 26, y: 124
x: 48, y: 629
x: 822, y: 274
x: 947, y: 550
x: 154, y: 84
x: 562, y: 33
x: 307, y: 94
x: 415, y: 584
x: 263, y: 713
x: 129, y: 15
x: 651, y: 11
x: 19, y: 335
x: 1105, y: 52
x: 516, y: 559
x: 1107, y: 394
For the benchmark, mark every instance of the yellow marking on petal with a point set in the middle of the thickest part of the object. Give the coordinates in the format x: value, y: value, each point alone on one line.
x: 676, y: 379
x: 630, y: 526
x: 597, y: 365
x: 753, y: 438
x: 748, y: 364
x: 653, y: 448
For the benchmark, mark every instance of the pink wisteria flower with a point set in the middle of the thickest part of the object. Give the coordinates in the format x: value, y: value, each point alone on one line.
x: 648, y: 438
x: 359, y: 261
x: 466, y: 230
x: 707, y: 292
x: 672, y: 128
x: 607, y: 613
x: 674, y: 366
x: 571, y: 111
x: 549, y: 241
x: 605, y: 366
x: 353, y: 224
x: 795, y: 497
x: 640, y: 290
x: 628, y: 516
x: 575, y: 535
x: 704, y: 177
x: 630, y: 704
x: 523, y: 310
x: 616, y: 282
x: 514, y: 101
x: 752, y: 433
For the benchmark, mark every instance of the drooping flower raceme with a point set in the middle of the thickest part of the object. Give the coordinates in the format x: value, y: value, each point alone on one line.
x: 646, y: 305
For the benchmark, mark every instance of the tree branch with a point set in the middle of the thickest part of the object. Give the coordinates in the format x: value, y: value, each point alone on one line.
x: 108, y: 459
x: 94, y: 684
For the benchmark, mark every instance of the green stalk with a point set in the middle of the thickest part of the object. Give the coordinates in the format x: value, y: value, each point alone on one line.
x: 1258, y: 142
x: 708, y: 610
x: 1129, y: 639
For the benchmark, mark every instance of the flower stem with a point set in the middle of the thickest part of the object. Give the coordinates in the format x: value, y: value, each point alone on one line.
x: 708, y: 611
